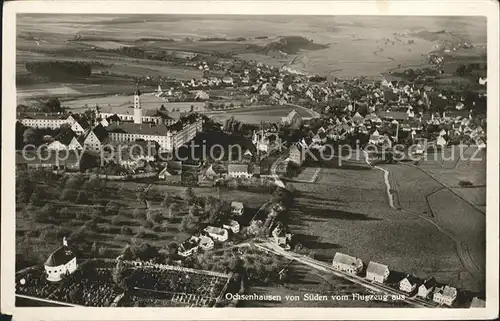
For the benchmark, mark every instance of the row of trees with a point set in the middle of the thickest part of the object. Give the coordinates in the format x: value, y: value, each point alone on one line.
x: 60, y: 70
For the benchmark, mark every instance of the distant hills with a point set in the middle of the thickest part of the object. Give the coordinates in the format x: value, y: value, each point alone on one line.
x: 292, y: 45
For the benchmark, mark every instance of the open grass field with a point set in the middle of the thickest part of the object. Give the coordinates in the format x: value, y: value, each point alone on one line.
x: 256, y: 115
x: 463, y: 220
x: 412, y: 188
x: 451, y: 170
x: 460, y: 215
x: 347, y: 211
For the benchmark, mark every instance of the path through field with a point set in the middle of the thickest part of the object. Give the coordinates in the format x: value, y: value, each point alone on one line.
x: 463, y: 250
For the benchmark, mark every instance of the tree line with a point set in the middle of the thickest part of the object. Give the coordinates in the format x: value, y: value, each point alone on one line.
x: 57, y: 70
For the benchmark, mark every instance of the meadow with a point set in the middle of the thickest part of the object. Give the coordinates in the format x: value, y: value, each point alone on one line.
x: 347, y: 210
x: 256, y: 115
x: 432, y: 190
x: 454, y: 168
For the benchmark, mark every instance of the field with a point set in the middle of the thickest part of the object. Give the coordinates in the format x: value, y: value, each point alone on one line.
x: 256, y: 115
x: 432, y: 189
x: 347, y: 211
x: 452, y: 171
x: 366, y: 51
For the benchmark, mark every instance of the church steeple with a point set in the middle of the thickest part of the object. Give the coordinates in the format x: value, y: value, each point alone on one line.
x: 137, y: 106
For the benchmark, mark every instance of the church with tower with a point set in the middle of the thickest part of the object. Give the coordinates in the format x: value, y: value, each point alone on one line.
x: 168, y: 134
x: 137, y: 107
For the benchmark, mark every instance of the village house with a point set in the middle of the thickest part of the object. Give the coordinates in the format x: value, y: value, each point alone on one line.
x: 78, y: 123
x: 217, y: 233
x: 408, y: 284
x: 297, y: 154
x: 238, y: 171
x: 281, y: 236
x: 441, y: 141
x: 56, y: 160
x: 237, y: 208
x: 477, y: 303
x: 377, y: 272
x: 172, y: 172
x: 232, y: 225
x: 206, y: 243
x: 346, y: 263
x: 292, y: 119
x: 426, y: 288
x: 66, y: 140
x: 96, y: 138
x: 188, y: 247
x: 445, y: 295
x: 61, y: 262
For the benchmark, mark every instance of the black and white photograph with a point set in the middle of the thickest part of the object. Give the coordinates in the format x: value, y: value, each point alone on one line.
x: 169, y: 160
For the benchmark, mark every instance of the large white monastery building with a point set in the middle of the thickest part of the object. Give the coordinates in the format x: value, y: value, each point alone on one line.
x: 168, y: 136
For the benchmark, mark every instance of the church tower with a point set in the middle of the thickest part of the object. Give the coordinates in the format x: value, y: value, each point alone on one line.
x: 137, y: 107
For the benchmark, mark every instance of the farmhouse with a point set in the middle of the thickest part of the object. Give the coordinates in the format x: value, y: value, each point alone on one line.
x: 78, y: 124
x: 346, y: 263
x: 206, y: 243
x: 292, y: 119
x: 232, y: 225
x: 377, y: 272
x: 238, y: 170
x: 477, y: 303
x: 441, y: 141
x: 188, y: 247
x: 426, y: 288
x: 237, y: 208
x: 445, y: 295
x: 297, y: 154
x: 96, y: 138
x: 408, y: 284
x: 217, y: 233
x: 66, y: 140
x: 281, y: 236
x: 171, y: 172
x: 60, y: 262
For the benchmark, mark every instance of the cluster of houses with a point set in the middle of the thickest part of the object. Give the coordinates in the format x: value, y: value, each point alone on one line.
x: 377, y: 272
x: 205, y: 239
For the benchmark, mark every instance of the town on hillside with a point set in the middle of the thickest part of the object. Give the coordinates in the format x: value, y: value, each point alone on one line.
x: 200, y: 172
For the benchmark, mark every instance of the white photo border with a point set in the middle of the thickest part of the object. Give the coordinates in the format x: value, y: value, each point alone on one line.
x: 487, y: 8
